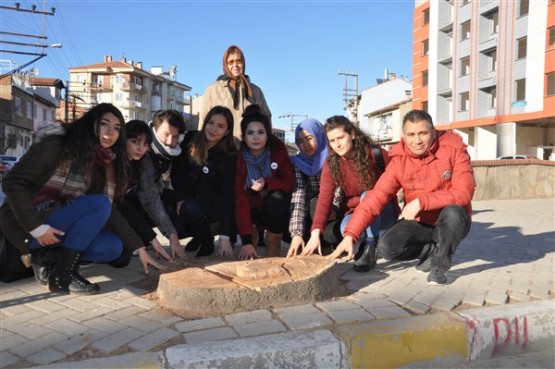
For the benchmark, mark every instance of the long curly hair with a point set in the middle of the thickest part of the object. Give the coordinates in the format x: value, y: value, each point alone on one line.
x: 365, y: 168
x: 81, y: 140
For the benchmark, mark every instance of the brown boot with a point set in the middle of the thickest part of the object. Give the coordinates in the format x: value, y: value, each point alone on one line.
x: 273, y: 243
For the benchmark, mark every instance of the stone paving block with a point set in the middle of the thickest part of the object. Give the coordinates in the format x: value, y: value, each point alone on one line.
x: 104, y: 324
x: 518, y: 296
x: 144, y: 303
x: 389, y: 312
x: 46, y: 319
x: 401, y: 297
x: 473, y: 298
x: 116, y: 340
x: 91, y: 314
x: 351, y: 315
x: 45, y: 306
x: 125, y: 313
x: 46, y: 356
x: 154, y: 339
x: 248, y: 317
x: 336, y: 305
x: 36, y: 290
x: 307, y: 321
x: 427, y: 297
x: 7, y: 359
x: 14, y: 309
x: 31, y: 346
x: 141, y: 323
x: 296, y: 310
x: 112, y: 303
x: 21, y: 318
x: 445, y: 304
x: 30, y: 330
x: 259, y: 328
x: 78, y: 342
x: 370, y: 302
x: 79, y: 305
x: 163, y: 317
x: 418, y: 307
x: 199, y: 324
x: 208, y: 335
x: 67, y: 327
x: 540, y: 293
x: 11, y: 340
x: 498, y: 298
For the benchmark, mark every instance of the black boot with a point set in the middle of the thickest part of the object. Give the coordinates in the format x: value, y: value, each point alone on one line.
x: 368, y: 258
x: 42, y: 262
x: 65, y: 276
x: 206, y: 247
x: 205, y: 238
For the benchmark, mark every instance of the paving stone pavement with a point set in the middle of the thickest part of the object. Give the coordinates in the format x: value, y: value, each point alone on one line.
x: 507, y: 257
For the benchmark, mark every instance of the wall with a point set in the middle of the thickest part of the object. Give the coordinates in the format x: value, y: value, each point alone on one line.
x: 514, y: 179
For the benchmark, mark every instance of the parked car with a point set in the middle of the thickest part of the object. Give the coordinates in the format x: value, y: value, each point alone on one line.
x: 517, y: 157
x: 8, y: 162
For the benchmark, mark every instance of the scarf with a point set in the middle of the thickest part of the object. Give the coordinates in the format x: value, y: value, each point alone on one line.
x: 311, y: 165
x: 161, y: 149
x: 257, y: 167
x: 234, y: 85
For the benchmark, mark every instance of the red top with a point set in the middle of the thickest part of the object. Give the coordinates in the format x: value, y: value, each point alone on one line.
x: 440, y: 178
x: 351, y: 186
x: 282, y: 178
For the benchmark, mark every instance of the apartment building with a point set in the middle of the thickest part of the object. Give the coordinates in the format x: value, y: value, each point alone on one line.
x: 136, y: 92
x: 486, y: 68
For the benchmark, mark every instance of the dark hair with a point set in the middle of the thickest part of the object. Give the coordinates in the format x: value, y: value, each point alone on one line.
x: 361, y: 146
x: 136, y: 128
x: 418, y: 116
x: 82, y: 139
x: 198, y: 147
x: 174, y: 118
x: 253, y: 113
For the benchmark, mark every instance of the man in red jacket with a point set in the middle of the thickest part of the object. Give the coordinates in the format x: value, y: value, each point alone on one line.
x: 433, y: 169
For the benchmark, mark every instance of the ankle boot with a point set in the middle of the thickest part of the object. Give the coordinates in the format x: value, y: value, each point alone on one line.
x: 368, y: 258
x: 65, y: 276
x: 42, y: 261
x: 205, y: 238
x: 273, y: 243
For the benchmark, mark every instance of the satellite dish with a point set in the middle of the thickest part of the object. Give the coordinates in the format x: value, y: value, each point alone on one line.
x: 33, y: 72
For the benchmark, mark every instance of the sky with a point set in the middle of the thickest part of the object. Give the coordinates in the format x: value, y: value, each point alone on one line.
x: 294, y: 50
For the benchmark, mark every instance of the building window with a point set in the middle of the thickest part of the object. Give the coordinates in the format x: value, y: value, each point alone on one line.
x: 464, y: 2
x: 425, y: 47
x: 551, y: 36
x: 425, y: 106
x: 493, y: 20
x: 492, y: 60
x: 523, y: 8
x: 29, y: 110
x: 464, y: 101
x: 425, y: 78
x: 521, y: 89
x: 465, y: 30
x: 426, y: 16
x: 492, y: 97
x: 551, y: 84
x: 521, y: 47
x: 465, y: 66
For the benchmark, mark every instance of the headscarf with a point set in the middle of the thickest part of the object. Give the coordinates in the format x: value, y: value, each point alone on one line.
x: 235, y: 83
x: 311, y: 165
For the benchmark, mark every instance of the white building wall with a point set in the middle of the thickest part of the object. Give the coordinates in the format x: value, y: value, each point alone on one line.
x: 483, y: 138
x: 535, y: 58
x: 383, y: 95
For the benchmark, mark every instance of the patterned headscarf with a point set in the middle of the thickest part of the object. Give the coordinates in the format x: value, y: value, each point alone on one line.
x: 235, y: 82
x: 311, y: 165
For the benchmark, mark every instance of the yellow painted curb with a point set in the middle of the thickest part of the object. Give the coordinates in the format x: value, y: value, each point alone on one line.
x: 396, y: 342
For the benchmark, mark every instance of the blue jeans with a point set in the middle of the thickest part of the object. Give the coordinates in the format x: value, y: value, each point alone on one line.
x: 385, y: 220
x: 83, y: 222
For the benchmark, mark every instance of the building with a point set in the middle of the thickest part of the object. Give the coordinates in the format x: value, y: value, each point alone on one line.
x: 486, y: 68
x: 47, y: 94
x: 136, y: 92
x: 382, y: 107
x: 16, y: 114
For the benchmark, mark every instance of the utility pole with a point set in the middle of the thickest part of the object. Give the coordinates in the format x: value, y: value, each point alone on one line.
x: 350, y: 96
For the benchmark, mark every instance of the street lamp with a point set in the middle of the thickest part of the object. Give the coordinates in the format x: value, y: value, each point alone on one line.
x: 38, y: 57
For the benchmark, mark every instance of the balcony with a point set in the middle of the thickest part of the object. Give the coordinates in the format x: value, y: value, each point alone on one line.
x: 486, y: 82
x: 128, y: 86
x: 447, y: 27
x: 131, y: 104
x: 445, y: 92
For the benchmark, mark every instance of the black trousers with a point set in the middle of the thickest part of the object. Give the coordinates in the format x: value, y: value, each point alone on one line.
x: 274, y: 214
x: 409, y: 239
x: 137, y: 218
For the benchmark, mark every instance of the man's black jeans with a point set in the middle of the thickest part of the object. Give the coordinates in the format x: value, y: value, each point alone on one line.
x: 409, y: 239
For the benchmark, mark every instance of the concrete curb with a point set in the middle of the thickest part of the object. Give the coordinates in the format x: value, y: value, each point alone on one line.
x: 435, y: 340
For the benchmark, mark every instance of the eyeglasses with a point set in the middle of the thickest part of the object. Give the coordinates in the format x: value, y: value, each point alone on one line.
x: 235, y: 61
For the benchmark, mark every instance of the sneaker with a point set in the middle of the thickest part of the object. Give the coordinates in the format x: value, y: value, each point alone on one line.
x: 424, y: 265
x: 437, y: 277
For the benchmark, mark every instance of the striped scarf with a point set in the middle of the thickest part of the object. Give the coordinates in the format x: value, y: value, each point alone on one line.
x: 257, y: 167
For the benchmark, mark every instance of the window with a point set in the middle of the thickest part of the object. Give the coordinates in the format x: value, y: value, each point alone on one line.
x: 492, y: 60
x: 464, y: 2
x: 425, y: 106
x: 521, y: 89
x: 464, y: 101
x: 521, y: 47
x: 29, y: 110
x: 551, y: 84
x: 493, y: 20
x: 492, y: 97
x: 523, y: 8
x: 465, y: 30
x: 425, y: 47
x: 465, y: 66
x: 425, y: 78
x: 44, y: 112
x: 426, y: 16
x: 17, y: 105
x: 119, y: 96
x: 551, y: 36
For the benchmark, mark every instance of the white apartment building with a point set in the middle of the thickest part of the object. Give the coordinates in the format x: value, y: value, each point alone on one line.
x: 136, y: 92
x: 486, y: 68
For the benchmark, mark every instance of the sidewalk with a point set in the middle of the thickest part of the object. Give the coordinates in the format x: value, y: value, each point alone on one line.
x: 499, y: 301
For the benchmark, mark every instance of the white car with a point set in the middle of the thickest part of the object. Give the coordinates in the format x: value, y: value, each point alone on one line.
x: 517, y: 157
x: 8, y: 161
